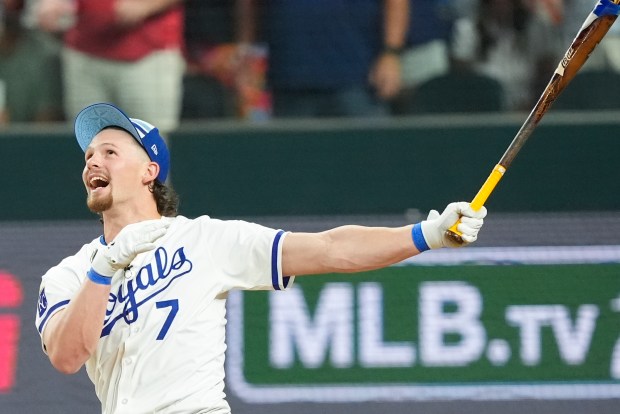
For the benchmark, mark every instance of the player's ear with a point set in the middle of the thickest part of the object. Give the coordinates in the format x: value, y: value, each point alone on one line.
x: 150, y: 173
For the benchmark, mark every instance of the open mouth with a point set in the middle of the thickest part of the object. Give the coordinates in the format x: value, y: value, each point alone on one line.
x: 97, y: 182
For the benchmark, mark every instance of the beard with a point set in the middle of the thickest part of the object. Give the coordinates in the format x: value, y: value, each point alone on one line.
x: 99, y: 204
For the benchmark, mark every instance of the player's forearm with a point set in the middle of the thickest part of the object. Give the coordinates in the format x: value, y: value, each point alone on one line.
x: 347, y: 249
x: 396, y: 23
x: 72, y: 335
x: 357, y: 248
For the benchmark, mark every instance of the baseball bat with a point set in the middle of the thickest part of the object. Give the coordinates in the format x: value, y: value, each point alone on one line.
x: 590, y: 34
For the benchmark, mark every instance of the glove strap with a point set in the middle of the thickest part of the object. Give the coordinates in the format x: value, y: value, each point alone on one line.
x: 97, y: 278
x: 418, y: 238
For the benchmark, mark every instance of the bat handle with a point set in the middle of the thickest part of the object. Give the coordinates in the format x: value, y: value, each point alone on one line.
x: 479, y: 200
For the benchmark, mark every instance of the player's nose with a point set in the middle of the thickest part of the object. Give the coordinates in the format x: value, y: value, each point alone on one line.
x: 93, y: 161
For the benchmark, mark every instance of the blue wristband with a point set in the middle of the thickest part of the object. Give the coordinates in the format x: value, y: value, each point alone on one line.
x: 418, y: 238
x: 97, y: 278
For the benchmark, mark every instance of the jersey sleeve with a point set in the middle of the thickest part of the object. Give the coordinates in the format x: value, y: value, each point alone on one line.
x: 248, y: 255
x: 59, y: 284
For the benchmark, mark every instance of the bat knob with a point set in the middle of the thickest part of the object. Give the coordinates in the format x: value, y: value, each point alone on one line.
x: 454, y: 237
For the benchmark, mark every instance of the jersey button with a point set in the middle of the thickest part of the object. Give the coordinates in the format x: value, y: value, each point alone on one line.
x: 125, y: 401
x: 128, y: 361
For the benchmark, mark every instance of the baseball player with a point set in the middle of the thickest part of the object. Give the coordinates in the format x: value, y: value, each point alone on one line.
x: 143, y: 305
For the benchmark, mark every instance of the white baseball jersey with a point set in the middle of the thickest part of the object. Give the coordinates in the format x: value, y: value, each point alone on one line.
x: 163, y: 339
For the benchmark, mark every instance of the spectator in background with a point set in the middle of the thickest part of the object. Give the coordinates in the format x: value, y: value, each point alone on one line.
x: 511, y: 42
x: 329, y: 57
x: 127, y: 52
x: 211, y: 54
x: 29, y: 71
x: 426, y: 55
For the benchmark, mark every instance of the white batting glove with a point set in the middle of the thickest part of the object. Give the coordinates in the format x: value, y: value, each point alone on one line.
x: 431, y: 233
x: 131, y: 241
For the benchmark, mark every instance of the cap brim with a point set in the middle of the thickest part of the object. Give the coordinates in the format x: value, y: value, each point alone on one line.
x: 94, y: 118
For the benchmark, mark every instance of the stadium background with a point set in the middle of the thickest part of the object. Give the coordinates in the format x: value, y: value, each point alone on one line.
x: 561, y: 193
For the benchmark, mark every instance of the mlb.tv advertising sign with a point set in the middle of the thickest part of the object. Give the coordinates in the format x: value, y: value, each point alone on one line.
x: 476, y: 323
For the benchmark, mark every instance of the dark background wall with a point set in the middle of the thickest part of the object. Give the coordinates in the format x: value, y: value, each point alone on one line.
x: 359, y: 167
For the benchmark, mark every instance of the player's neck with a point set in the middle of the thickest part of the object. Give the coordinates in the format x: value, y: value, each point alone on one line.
x: 115, y: 219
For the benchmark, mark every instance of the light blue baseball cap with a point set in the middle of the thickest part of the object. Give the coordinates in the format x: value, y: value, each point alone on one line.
x: 94, y: 118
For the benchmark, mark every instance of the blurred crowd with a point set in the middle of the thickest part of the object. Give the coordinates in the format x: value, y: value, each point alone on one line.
x: 175, y: 60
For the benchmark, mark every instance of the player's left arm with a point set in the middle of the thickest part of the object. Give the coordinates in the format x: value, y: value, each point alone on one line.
x: 345, y: 249
x: 349, y: 249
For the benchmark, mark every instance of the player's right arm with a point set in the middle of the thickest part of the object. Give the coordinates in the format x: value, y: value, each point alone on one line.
x: 72, y: 334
